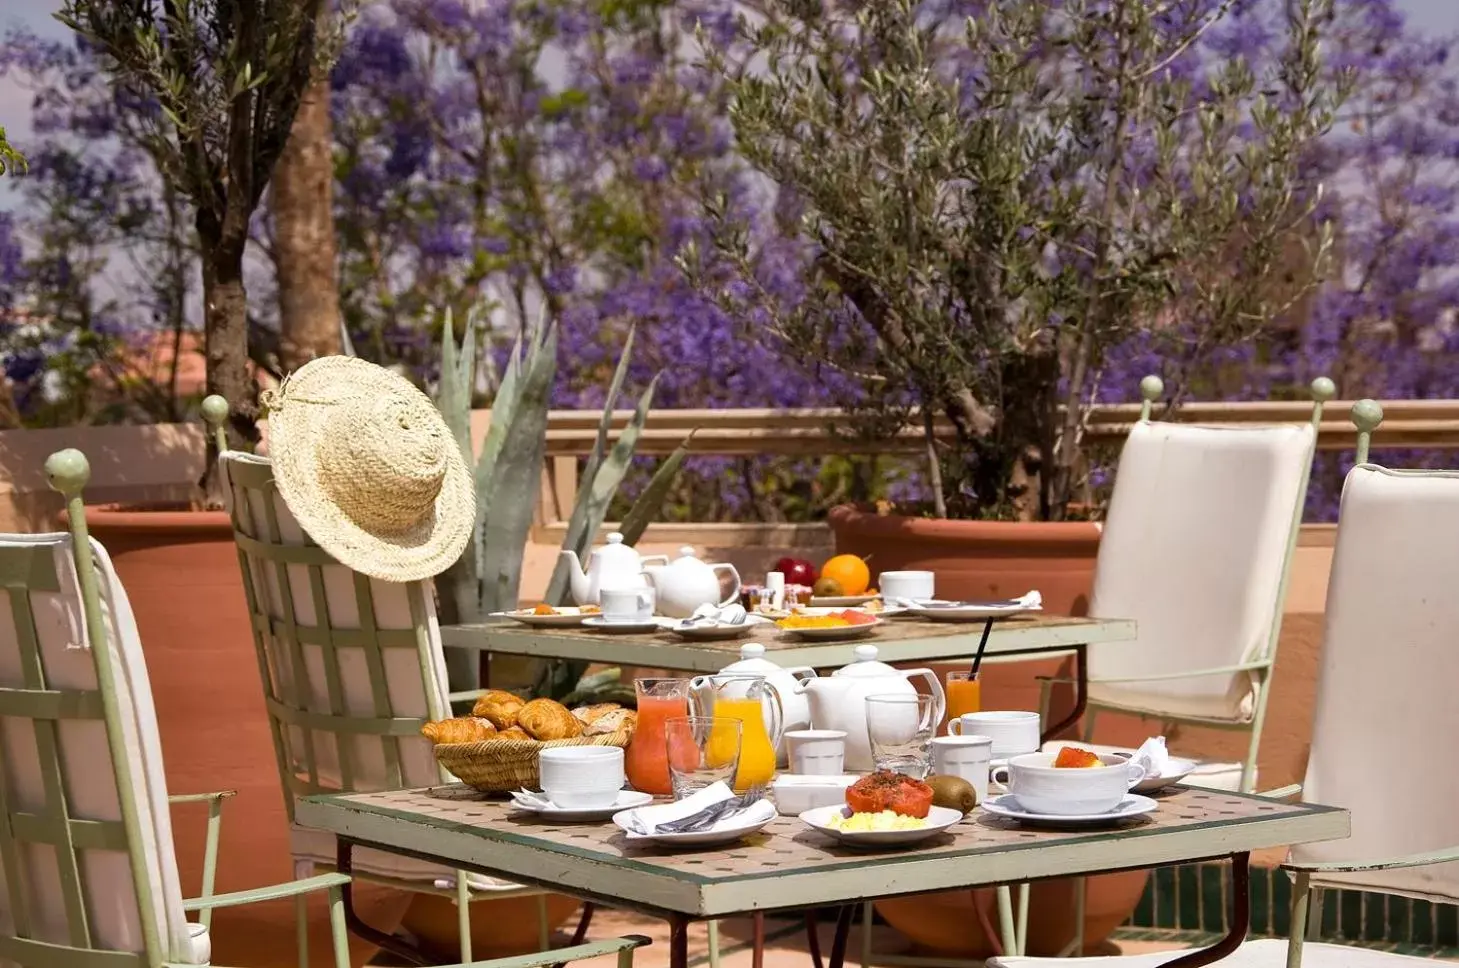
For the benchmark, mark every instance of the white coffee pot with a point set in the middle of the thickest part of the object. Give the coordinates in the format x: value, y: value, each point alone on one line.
x: 614, y: 565
x: 794, y: 705
x: 838, y: 701
x: 684, y: 584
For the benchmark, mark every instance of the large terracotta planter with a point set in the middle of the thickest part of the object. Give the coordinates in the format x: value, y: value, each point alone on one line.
x: 500, y: 927
x: 996, y: 559
x: 180, y: 570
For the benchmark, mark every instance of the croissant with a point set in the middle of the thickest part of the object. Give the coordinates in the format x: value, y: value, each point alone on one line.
x: 462, y: 729
x: 611, y: 722
x: 545, y: 720
x: 498, y: 706
x: 515, y: 733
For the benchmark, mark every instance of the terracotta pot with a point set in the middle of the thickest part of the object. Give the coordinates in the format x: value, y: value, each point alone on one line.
x: 500, y: 927
x: 996, y: 559
x: 180, y: 570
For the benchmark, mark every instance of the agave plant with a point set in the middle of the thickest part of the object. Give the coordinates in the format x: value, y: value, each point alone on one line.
x: 508, y: 478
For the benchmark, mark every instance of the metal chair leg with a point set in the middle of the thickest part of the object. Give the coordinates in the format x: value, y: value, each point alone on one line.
x: 301, y: 917
x: 1005, y: 920
x: 713, y: 944
x: 868, y: 915
x: 544, y: 928
x: 463, y: 916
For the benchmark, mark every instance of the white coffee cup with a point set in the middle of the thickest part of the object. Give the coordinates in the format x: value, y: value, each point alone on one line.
x: 1041, y: 787
x: 816, y: 752
x: 964, y: 756
x: 1012, y: 731
x: 914, y: 585
x: 627, y: 606
x: 581, y: 777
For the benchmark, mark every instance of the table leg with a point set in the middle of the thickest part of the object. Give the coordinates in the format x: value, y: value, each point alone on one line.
x: 1081, y: 695
x: 679, y: 942
x: 344, y: 863
x: 813, y: 938
x: 1240, y: 920
x: 843, y: 932
x: 580, y: 934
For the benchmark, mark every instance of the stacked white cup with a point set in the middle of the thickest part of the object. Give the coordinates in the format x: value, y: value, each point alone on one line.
x: 581, y: 777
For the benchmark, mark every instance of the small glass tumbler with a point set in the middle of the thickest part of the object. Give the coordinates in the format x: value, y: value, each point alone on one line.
x: 703, y: 750
x: 900, y: 731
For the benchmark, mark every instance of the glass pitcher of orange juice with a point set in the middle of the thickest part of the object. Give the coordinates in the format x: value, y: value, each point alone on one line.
x: 646, y: 762
x: 751, y: 699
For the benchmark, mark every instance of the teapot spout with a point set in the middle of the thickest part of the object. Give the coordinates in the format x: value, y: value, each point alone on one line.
x: 576, y: 576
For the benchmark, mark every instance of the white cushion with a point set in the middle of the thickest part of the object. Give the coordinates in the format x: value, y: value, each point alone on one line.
x: 1264, y: 953
x: 1193, y: 550
x: 90, y: 776
x: 1385, y: 721
x: 1212, y: 775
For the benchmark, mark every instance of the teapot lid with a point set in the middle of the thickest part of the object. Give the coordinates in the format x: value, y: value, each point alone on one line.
x: 752, y: 659
x: 866, y: 664
x: 615, y: 550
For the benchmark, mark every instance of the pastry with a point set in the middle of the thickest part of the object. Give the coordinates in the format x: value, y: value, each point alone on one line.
x: 612, y: 721
x: 546, y: 720
x: 462, y: 729
x: 587, y: 715
x: 514, y: 733
x: 498, y: 706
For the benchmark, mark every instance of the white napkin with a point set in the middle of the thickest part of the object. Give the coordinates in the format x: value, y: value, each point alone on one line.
x: 1153, y: 756
x: 651, y: 817
x: 531, y: 800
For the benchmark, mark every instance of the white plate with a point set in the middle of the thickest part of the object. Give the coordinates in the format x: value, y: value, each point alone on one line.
x: 724, y: 832
x: 835, y: 632
x: 627, y: 800
x: 709, y: 633
x: 600, y: 624
x: 526, y: 617
x: 1178, y: 770
x: 842, y: 601
x: 938, y: 820
x: 970, y: 613
x: 1133, y: 805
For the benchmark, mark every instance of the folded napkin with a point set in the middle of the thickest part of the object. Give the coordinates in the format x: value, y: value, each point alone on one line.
x: 1153, y: 756
x: 649, y: 818
x: 531, y: 799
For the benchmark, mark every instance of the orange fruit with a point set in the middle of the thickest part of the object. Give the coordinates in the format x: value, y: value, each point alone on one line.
x: 848, y: 571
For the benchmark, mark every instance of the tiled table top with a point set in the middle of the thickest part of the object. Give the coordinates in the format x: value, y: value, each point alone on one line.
x: 897, y: 640
x: 789, y: 865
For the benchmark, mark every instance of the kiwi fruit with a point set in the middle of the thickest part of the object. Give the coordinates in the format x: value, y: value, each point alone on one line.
x: 827, y: 588
x: 953, y: 792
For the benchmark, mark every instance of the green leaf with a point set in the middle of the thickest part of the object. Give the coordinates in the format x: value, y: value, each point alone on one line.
x: 651, y: 500
x: 579, y: 537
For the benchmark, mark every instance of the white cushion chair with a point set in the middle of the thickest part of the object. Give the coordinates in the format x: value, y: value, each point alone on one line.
x: 354, y: 667
x: 1386, y: 722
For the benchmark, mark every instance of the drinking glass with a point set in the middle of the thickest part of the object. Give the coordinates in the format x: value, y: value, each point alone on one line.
x: 702, y: 750
x: 900, y: 731
x: 964, y: 694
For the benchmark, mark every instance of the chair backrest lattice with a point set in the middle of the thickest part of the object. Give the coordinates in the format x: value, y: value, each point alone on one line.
x: 87, y: 873
x: 351, y: 666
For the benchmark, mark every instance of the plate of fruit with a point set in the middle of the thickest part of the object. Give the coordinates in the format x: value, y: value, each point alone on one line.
x: 817, y: 624
x: 842, y: 582
x: 883, y: 809
x: 550, y: 616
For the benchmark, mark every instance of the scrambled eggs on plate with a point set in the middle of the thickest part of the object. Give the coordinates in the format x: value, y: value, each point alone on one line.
x: 869, y: 822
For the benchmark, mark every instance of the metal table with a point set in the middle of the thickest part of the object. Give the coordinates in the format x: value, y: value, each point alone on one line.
x: 787, y: 866
x: 898, y: 640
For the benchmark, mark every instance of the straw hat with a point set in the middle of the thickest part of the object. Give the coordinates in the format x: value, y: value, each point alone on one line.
x: 369, y: 469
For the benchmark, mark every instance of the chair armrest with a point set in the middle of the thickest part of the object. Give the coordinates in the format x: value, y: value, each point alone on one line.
x: 274, y: 892
x: 455, y: 697
x: 1281, y: 793
x: 210, y: 844
x: 1442, y: 856
x: 1164, y: 676
x: 219, y: 796
x: 582, y: 952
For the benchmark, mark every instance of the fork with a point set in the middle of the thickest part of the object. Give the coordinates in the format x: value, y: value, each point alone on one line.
x: 713, y: 814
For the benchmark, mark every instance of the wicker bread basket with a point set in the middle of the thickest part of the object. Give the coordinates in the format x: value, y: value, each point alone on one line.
x: 503, y: 765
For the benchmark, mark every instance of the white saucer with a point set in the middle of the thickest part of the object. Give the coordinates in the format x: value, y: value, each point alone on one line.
x: 1177, y: 770
x: 1007, y: 805
x: 969, y: 613
x: 601, y: 624
x: 724, y: 832
x: 938, y: 820
x: 627, y: 800
x: 528, y: 617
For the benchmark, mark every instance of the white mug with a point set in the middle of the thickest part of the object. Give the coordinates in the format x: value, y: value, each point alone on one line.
x: 915, y: 585
x: 627, y: 606
x: 1012, y: 731
x: 581, y: 777
x: 964, y: 756
x: 816, y: 752
x: 1041, y: 787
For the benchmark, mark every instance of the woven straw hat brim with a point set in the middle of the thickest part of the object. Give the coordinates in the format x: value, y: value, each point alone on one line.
x: 297, y: 419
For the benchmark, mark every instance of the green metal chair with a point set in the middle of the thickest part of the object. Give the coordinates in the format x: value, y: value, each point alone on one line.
x: 351, y: 669
x: 1385, y: 724
x: 88, y: 873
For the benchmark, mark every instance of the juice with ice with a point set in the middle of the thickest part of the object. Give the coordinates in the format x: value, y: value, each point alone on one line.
x: 757, y: 751
x: 647, y: 760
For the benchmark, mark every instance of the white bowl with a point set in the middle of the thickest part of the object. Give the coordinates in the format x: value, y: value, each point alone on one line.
x: 795, y: 794
x: 581, y: 777
x: 1042, y: 788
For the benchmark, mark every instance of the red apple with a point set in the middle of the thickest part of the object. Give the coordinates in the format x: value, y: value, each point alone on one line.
x: 797, y: 571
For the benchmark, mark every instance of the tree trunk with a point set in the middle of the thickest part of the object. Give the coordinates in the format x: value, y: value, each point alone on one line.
x: 303, y: 199
x: 225, y: 326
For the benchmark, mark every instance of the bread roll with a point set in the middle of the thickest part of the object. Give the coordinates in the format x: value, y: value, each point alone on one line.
x: 587, y: 715
x: 546, y: 720
x: 500, y: 707
x: 462, y: 729
x: 611, y: 722
x: 515, y: 733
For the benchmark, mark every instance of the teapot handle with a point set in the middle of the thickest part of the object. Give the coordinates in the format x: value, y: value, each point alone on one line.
x: 799, y: 671
x: 734, y: 596
x: 939, y: 698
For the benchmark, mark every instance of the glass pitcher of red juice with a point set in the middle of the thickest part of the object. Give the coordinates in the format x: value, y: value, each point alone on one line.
x: 647, y: 759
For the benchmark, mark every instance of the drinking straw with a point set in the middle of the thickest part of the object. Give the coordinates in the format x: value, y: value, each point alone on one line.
x: 982, y: 644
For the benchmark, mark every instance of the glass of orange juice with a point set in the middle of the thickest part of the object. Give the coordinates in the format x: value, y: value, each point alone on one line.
x: 964, y: 694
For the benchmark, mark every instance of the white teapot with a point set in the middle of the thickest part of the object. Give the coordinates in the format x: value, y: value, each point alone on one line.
x: 838, y: 701
x: 615, y: 565
x: 796, y: 710
x: 686, y: 583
